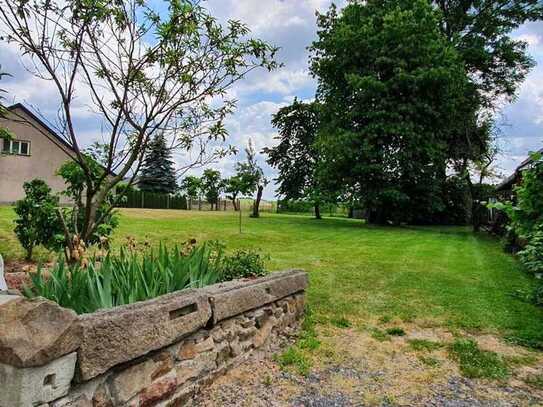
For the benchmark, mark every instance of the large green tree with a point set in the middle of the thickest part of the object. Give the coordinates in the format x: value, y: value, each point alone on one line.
x: 212, y: 185
x: 391, y: 86
x: 296, y: 156
x: 158, y: 172
x: 146, y: 67
x: 192, y: 185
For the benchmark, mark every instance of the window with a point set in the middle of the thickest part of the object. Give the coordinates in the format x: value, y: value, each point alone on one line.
x: 18, y: 147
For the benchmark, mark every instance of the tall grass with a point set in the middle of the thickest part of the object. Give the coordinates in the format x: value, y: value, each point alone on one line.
x: 127, y: 277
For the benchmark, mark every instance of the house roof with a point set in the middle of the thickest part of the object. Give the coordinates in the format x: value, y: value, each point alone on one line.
x: 34, y: 117
x: 51, y: 132
x: 511, y: 179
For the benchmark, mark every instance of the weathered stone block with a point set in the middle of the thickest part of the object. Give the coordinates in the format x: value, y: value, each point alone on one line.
x: 158, y: 391
x: 233, y: 298
x: 31, y: 386
x: 35, y: 332
x: 124, y: 333
x: 190, y: 349
x: 131, y: 381
x: 194, y: 368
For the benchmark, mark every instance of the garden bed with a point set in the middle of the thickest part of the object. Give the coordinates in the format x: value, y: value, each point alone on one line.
x: 143, y: 353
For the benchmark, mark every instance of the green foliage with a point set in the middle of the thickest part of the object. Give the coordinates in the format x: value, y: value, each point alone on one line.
x: 341, y: 322
x: 212, y: 185
x: 76, y: 183
x: 429, y: 361
x: 526, y: 220
x: 296, y: 155
x: 477, y: 363
x: 243, y: 264
x: 390, y: 85
x: 535, y: 380
x: 126, y: 278
x: 192, y: 186
x: 379, y: 335
x: 424, y: 345
x: 158, y: 172
x: 37, y: 220
x: 532, y: 254
x: 395, y: 331
x: 293, y: 357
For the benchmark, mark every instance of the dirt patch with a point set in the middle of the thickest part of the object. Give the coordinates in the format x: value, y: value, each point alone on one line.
x: 353, y: 368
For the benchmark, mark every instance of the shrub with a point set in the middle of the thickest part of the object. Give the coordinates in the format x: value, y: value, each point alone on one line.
x: 37, y: 220
x: 76, y: 182
x: 242, y: 264
x: 532, y: 254
x: 126, y: 278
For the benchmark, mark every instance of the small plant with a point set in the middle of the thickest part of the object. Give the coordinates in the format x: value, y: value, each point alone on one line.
x: 37, y: 220
x: 535, y: 380
x: 424, y: 345
x: 395, y: 331
x: 268, y: 381
x: 379, y: 335
x: 341, y: 322
x: 293, y: 357
x: 477, y: 363
x: 430, y: 361
x: 385, y: 319
x: 243, y: 264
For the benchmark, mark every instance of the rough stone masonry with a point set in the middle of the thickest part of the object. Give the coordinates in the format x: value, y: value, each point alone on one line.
x: 153, y: 353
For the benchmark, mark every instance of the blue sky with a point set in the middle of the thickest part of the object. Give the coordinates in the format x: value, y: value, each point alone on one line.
x: 290, y: 24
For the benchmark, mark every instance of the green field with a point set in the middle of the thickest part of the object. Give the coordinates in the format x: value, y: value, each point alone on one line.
x: 442, y: 275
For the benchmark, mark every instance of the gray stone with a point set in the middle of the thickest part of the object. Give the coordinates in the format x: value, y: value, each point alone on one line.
x: 35, y: 332
x: 119, y: 335
x: 31, y: 386
x: 3, y: 284
x: 233, y: 298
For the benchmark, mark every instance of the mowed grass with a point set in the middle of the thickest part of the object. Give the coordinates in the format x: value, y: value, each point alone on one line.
x: 434, y: 275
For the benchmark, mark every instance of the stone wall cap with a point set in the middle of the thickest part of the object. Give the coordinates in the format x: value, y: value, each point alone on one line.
x: 118, y: 335
x: 235, y: 297
x: 35, y: 331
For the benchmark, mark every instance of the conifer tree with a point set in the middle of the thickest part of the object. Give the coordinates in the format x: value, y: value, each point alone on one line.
x: 158, y: 173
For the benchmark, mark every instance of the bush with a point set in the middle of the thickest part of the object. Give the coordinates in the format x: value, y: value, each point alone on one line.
x: 532, y: 254
x: 242, y: 264
x: 127, y: 277
x: 76, y: 182
x: 37, y: 222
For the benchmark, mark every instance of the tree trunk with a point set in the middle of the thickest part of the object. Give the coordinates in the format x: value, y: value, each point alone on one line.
x: 29, y: 253
x: 351, y: 212
x: 317, y: 211
x: 256, y: 206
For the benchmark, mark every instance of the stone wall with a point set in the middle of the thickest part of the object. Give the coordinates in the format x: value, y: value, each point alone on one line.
x: 154, y: 353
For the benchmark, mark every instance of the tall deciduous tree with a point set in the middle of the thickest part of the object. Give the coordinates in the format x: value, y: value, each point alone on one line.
x: 212, y: 185
x: 296, y: 155
x: 192, y: 185
x: 145, y: 69
x: 158, y: 172
x: 391, y: 86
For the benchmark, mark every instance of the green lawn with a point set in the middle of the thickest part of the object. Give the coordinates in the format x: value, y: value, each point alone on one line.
x: 442, y: 275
